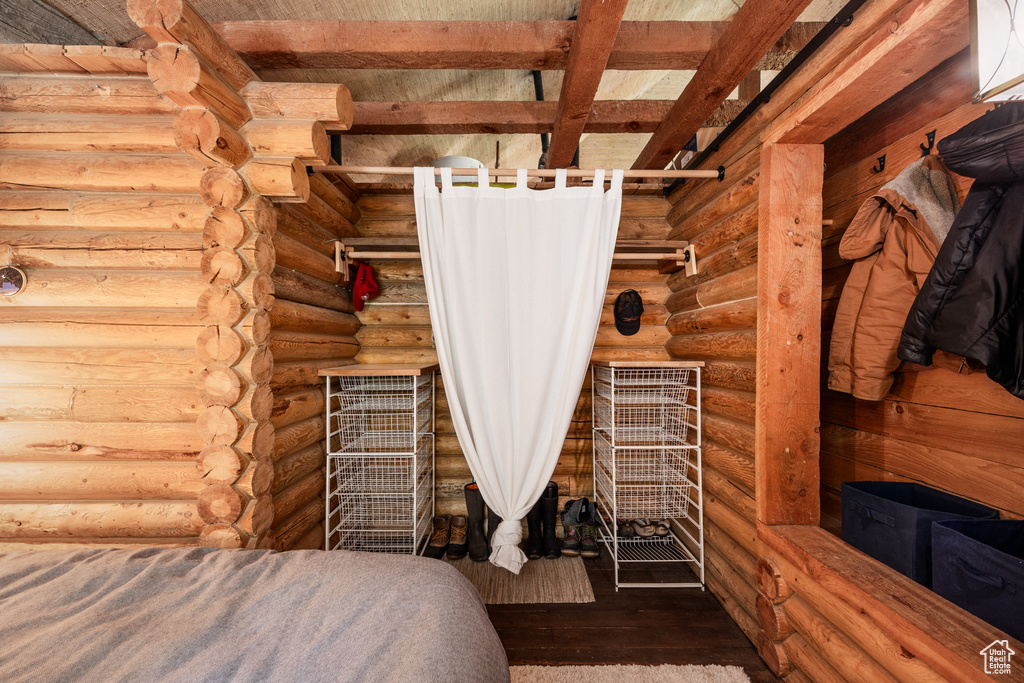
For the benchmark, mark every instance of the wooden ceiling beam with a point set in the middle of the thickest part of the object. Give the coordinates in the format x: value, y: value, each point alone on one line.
x: 542, y: 45
x: 596, y: 27
x: 755, y: 28
x: 513, y: 117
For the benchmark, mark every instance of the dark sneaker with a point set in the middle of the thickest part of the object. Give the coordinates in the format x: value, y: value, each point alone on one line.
x: 458, y: 541
x: 439, y: 539
x: 588, y: 542
x: 571, y: 542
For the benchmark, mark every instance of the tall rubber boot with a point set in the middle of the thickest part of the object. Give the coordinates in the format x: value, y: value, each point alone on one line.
x: 549, y: 501
x: 534, y: 540
x: 493, y: 520
x: 475, y: 509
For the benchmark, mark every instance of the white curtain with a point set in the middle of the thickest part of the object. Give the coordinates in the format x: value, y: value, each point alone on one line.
x: 516, y: 279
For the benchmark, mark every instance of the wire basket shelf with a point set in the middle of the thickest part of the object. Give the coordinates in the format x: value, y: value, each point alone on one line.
x: 357, y: 429
x: 647, y: 461
x: 383, y: 473
x: 380, y: 466
x: 645, y: 407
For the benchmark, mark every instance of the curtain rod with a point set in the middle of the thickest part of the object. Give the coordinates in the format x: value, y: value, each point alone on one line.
x: 511, y: 172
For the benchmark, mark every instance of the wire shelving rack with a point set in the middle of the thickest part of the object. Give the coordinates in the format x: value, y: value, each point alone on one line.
x: 647, y: 462
x: 380, y: 457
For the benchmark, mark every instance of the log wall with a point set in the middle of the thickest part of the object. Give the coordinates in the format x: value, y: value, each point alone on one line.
x: 312, y: 327
x: 396, y: 328
x: 146, y: 366
x: 713, y: 317
x: 99, y: 371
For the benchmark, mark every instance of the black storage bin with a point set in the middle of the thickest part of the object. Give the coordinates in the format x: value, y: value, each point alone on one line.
x: 979, y: 565
x: 892, y: 522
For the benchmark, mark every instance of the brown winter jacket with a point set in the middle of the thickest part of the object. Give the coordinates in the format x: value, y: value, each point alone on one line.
x: 894, y: 248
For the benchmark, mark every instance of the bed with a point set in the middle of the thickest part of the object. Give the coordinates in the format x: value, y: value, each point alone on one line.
x: 203, y: 614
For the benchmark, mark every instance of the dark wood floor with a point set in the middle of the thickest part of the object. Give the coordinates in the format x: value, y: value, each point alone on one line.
x: 631, y: 626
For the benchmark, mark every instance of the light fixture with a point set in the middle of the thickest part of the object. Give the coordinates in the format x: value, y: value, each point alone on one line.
x: 458, y: 162
x: 997, y: 50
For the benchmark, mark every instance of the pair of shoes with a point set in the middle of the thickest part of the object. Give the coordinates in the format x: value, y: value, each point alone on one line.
x: 642, y: 527
x: 440, y: 537
x: 580, y: 529
x: 625, y: 528
x: 541, y: 539
x: 662, y: 527
x: 449, y: 537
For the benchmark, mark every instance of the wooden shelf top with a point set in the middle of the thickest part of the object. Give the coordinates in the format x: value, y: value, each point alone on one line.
x: 649, y: 363
x: 380, y: 370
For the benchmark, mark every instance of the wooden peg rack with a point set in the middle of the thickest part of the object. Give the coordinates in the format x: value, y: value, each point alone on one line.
x: 670, y: 255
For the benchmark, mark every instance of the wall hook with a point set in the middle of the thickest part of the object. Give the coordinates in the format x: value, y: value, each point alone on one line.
x: 881, y: 165
x: 925, y: 151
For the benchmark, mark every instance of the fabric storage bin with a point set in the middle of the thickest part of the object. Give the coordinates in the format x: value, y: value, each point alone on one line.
x: 892, y: 522
x: 979, y: 565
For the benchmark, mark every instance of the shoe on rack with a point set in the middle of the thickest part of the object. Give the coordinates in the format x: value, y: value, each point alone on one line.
x: 625, y: 528
x: 588, y: 542
x: 662, y: 527
x: 439, y: 538
x: 643, y: 528
x: 457, y: 542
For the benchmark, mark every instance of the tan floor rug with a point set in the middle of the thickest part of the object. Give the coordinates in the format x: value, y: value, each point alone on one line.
x: 666, y: 673
x: 539, y: 581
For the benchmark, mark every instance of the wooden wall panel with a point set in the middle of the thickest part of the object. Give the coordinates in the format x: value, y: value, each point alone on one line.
x: 957, y: 432
x: 396, y: 328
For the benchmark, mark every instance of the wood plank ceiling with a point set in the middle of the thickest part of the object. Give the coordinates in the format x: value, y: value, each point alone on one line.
x: 430, y: 81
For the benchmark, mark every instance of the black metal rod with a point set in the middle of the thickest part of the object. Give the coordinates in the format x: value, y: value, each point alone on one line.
x: 842, y: 19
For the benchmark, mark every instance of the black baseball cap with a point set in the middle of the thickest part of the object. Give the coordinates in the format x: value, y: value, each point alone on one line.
x: 628, y: 309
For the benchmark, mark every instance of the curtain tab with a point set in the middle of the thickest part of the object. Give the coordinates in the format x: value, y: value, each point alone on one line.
x: 616, y: 180
x: 598, y: 181
x: 482, y: 179
x: 521, y: 179
x: 560, y: 179
x: 446, y: 178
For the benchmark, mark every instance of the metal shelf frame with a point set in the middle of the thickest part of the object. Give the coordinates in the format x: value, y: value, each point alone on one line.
x: 647, y: 462
x: 380, y: 462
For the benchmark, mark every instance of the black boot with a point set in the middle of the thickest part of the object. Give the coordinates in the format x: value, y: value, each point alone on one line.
x: 493, y: 520
x: 475, y: 508
x: 534, y: 542
x: 549, y: 500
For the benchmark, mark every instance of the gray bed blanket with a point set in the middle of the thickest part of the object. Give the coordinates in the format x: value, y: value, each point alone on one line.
x: 202, y: 614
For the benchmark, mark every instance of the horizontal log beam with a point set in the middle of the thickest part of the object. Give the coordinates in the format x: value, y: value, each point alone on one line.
x: 476, y: 44
x: 457, y: 118
x: 99, y: 480
x: 177, y: 174
x: 67, y: 440
x: 100, y: 519
x: 34, y: 210
x: 87, y: 133
x: 33, y: 93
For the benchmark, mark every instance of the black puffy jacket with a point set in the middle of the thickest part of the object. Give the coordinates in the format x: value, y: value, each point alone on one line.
x: 972, y: 303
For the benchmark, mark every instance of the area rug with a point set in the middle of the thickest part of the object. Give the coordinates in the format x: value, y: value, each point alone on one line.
x: 539, y: 581
x: 666, y: 673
